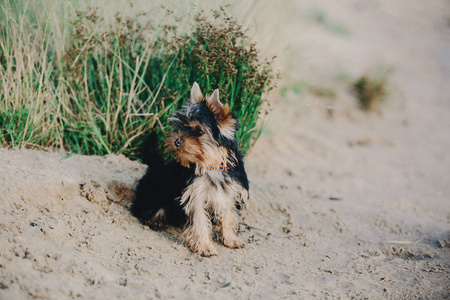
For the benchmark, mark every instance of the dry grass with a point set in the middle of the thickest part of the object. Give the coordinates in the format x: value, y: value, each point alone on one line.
x: 80, y: 81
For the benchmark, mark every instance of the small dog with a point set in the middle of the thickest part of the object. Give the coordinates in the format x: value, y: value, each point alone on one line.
x: 207, y: 182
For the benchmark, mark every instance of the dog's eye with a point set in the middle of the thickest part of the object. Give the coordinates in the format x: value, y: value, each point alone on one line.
x: 198, y: 132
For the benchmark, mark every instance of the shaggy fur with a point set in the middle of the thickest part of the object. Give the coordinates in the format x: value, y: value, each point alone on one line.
x: 206, y: 182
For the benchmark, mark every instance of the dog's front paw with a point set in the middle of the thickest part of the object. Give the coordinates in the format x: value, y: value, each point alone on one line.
x: 205, y: 250
x: 155, y: 225
x: 233, y: 243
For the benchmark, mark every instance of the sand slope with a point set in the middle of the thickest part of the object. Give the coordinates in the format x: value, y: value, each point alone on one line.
x: 354, y: 205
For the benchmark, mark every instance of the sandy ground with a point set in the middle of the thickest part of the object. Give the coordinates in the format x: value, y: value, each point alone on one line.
x: 343, y: 204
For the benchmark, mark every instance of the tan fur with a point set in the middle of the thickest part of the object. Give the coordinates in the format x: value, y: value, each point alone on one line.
x: 228, y: 127
x: 202, y: 151
x: 227, y: 124
x: 204, y: 197
x: 191, y: 150
x: 214, y: 103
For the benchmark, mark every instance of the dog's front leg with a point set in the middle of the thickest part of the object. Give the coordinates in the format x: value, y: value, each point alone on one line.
x: 198, y: 229
x: 229, y: 222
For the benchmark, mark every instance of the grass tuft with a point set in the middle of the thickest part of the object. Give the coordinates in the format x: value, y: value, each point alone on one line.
x: 371, y: 90
x: 95, y: 86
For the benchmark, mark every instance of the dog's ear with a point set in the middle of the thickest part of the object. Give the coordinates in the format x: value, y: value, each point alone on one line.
x: 196, y: 94
x: 214, y: 103
x: 222, y: 112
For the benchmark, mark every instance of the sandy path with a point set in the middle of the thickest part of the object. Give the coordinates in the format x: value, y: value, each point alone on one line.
x: 352, y: 206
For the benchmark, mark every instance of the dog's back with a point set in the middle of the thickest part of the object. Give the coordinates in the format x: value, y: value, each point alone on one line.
x: 154, y: 200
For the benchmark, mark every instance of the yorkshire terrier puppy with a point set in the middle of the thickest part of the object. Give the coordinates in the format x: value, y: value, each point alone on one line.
x: 206, y: 183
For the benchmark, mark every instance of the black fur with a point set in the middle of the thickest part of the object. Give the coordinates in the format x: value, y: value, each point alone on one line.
x: 160, y: 187
x: 196, y: 112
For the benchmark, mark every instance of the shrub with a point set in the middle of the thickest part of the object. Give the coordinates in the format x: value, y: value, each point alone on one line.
x: 371, y: 90
x: 114, y: 82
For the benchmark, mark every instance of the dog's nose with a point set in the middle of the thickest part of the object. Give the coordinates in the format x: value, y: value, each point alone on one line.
x: 178, y: 143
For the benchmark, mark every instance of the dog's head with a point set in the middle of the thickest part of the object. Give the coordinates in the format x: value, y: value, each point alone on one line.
x: 203, y: 132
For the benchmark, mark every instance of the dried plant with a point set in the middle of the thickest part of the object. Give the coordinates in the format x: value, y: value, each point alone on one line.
x: 114, y: 82
x: 371, y: 90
